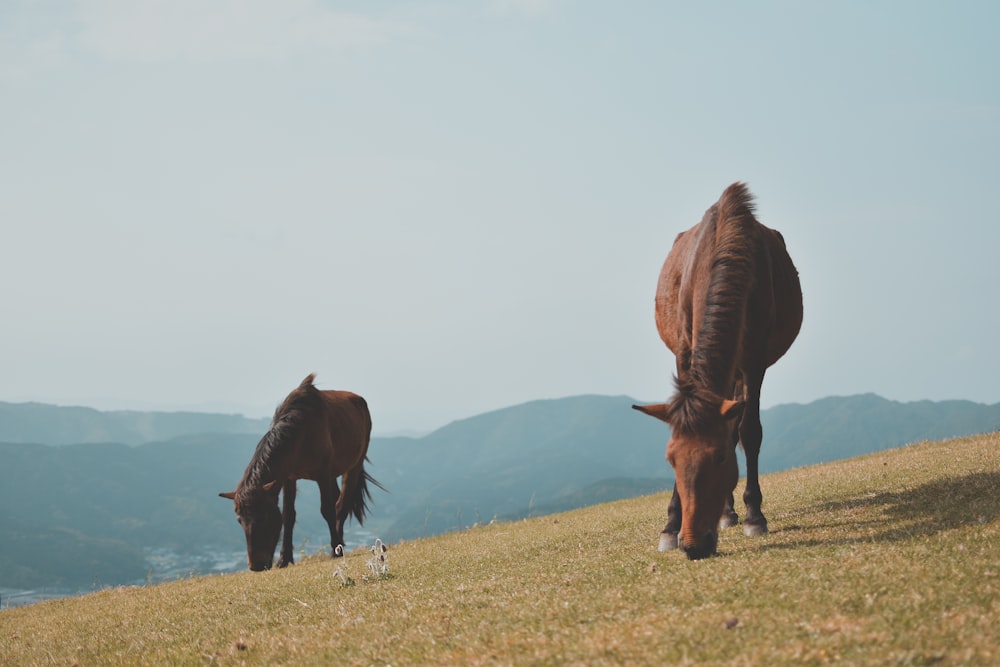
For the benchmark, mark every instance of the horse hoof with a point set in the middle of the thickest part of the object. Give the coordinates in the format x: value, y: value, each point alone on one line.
x: 752, y: 529
x: 667, y: 542
x: 728, y: 521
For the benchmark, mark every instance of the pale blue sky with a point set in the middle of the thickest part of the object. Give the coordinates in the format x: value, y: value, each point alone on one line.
x: 451, y: 207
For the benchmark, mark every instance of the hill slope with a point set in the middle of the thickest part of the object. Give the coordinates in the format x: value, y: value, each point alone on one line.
x: 888, y: 558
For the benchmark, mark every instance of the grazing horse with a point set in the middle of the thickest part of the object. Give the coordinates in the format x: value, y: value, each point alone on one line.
x: 317, y: 435
x: 729, y: 305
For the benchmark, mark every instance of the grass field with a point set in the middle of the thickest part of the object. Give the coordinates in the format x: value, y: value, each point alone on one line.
x: 892, y: 558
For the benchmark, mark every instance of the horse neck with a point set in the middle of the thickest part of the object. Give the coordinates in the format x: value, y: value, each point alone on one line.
x: 269, y: 459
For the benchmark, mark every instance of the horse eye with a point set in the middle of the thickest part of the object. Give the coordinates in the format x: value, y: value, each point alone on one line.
x: 721, y: 457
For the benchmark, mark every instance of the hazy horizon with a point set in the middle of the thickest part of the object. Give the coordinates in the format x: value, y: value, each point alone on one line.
x: 380, y: 431
x: 451, y: 208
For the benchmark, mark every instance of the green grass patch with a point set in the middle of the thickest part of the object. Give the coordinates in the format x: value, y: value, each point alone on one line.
x: 891, y: 558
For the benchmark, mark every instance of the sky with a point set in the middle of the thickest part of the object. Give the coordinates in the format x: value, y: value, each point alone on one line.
x: 453, y: 207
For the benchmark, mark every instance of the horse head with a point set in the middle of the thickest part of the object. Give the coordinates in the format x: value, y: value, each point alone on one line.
x: 258, y: 513
x: 702, y: 453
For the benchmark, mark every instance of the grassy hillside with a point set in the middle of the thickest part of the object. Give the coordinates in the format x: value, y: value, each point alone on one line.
x: 888, y: 558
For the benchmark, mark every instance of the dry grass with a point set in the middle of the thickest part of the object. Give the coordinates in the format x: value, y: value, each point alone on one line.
x: 887, y: 559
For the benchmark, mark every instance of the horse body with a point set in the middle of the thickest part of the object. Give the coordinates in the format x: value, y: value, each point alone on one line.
x: 729, y: 305
x: 315, y: 435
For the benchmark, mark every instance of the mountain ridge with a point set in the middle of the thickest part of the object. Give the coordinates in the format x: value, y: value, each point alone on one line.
x: 72, y: 425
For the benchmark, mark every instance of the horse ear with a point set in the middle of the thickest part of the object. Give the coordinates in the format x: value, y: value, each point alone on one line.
x: 658, y: 410
x: 231, y: 495
x: 731, y: 409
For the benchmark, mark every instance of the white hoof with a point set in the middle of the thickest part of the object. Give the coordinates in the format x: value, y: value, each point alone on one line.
x: 752, y: 531
x: 727, y: 522
x: 667, y: 542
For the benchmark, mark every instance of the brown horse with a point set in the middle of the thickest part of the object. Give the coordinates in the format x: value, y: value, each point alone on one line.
x: 317, y: 435
x: 729, y: 305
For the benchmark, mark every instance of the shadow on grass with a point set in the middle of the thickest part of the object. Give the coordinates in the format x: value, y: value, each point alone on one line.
x: 923, y: 511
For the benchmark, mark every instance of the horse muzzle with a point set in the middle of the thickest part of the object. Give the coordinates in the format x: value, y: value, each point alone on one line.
x: 703, y: 548
x: 260, y: 565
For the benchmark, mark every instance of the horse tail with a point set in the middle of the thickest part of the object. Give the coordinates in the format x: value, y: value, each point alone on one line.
x: 360, y: 495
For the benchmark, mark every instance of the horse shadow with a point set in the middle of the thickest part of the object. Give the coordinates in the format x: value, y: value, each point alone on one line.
x: 927, y: 510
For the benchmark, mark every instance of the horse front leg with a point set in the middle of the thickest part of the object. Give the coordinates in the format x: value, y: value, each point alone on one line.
x: 288, y: 491
x: 668, y: 538
x: 329, y: 493
x: 729, y: 516
x: 751, y: 435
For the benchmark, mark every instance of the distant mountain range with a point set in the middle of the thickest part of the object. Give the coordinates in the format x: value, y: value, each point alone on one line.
x: 843, y: 427
x: 58, y: 425
x: 138, y: 484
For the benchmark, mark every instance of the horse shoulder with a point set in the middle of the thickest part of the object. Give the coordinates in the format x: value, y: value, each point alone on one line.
x: 674, y: 300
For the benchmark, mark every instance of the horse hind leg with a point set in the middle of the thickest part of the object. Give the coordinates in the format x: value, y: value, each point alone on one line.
x: 288, y: 491
x: 329, y: 499
x: 729, y: 516
x: 668, y: 538
x: 751, y: 435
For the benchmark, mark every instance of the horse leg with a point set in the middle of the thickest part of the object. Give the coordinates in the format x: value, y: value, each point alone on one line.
x: 751, y: 435
x: 729, y: 516
x: 329, y: 493
x: 668, y: 538
x: 288, y: 490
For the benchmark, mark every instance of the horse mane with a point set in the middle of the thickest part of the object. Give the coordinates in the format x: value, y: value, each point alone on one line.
x: 692, y: 409
x: 286, y: 421
x: 720, y: 334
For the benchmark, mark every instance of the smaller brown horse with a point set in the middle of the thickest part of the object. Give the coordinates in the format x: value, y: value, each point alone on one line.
x: 317, y: 435
x: 729, y: 305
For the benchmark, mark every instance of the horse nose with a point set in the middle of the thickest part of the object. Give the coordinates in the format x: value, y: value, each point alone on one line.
x: 704, y: 548
x: 260, y: 566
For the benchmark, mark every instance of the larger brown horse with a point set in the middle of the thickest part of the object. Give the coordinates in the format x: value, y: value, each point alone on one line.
x: 317, y: 435
x: 729, y: 305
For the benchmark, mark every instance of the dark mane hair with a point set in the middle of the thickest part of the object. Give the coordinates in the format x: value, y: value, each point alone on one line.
x: 700, y: 389
x: 287, y: 418
x: 691, y: 409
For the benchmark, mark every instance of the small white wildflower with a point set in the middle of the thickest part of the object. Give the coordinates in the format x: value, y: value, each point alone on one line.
x: 378, y: 565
